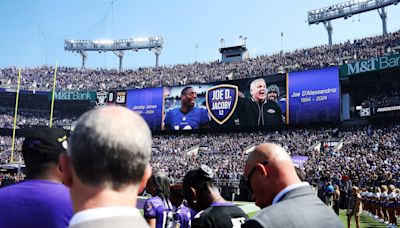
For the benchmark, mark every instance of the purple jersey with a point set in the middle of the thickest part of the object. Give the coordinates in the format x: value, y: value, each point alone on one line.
x: 35, y: 203
x: 176, y: 120
x: 184, y: 215
x: 156, y: 208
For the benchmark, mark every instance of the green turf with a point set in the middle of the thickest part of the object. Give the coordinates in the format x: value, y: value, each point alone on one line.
x: 251, y: 214
x: 365, y: 221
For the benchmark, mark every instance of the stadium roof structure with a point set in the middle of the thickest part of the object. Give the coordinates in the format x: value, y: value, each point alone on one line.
x: 152, y: 43
x: 348, y: 9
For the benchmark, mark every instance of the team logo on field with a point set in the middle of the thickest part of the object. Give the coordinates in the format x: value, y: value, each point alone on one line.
x: 221, y: 102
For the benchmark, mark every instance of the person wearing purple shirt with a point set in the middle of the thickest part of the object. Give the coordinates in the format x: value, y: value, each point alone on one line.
x: 42, y: 200
x: 158, y: 210
x: 183, y: 214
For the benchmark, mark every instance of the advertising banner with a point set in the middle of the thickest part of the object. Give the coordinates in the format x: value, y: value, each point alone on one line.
x: 370, y: 65
x: 73, y: 96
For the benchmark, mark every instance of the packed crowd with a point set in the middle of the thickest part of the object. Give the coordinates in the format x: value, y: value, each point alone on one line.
x: 382, y: 99
x: 35, y: 118
x: 6, y: 147
x: 369, y: 156
x: 70, y: 78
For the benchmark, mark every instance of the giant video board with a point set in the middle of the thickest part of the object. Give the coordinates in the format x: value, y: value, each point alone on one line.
x: 265, y: 102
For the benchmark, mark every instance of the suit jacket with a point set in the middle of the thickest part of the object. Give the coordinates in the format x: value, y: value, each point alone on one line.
x: 299, y: 207
x: 116, y: 221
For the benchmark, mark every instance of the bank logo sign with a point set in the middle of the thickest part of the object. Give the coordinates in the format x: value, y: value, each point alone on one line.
x: 373, y: 64
x: 73, y: 96
x: 221, y: 102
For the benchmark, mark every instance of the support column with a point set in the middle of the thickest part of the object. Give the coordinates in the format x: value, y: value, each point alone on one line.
x: 120, y: 55
x: 157, y: 52
x: 84, y: 57
x: 329, y: 29
x: 383, y: 15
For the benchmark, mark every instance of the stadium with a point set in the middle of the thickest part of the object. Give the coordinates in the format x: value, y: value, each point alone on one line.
x: 333, y: 107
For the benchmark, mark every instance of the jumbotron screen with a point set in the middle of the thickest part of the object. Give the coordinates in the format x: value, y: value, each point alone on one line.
x: 265, y: 102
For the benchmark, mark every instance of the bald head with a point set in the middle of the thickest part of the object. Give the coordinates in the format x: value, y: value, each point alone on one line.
x: 110, y: 146
x: 269, y: 152
x: 273, y: 176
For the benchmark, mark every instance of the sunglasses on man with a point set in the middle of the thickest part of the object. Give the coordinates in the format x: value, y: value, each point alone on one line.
x: 248, y: 179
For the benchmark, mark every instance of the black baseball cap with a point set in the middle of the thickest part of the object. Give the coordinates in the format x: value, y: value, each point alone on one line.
x: 45, y: 144
x: 200, y: 175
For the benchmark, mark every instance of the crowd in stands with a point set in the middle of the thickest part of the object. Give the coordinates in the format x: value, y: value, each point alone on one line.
x: 70, y: 78
x: 6, y: 147
x: 34, y: 118
x: 369, y: 156
x: 382, y: 99
x: 223, y: 152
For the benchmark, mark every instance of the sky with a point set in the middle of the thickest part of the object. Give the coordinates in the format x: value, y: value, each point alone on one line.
x: 33, y: 31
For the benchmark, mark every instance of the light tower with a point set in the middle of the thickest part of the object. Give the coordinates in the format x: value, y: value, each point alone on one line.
x: 118, y: 47
x: 346, y: 10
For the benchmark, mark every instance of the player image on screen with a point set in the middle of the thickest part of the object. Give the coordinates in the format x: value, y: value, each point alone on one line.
x: 188, y: 116
x: 258, y: 111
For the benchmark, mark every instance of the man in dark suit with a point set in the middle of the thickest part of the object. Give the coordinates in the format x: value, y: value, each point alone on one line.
x: 107, y: 165
x: 284, y: 199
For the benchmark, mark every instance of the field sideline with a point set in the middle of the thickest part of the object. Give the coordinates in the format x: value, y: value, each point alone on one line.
x: 251, y: 209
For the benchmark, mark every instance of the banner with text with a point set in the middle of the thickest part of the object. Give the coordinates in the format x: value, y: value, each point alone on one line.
x: 73, y: 96
x: 314, y: 96
x: 148, y: 103
x: 370, y: 65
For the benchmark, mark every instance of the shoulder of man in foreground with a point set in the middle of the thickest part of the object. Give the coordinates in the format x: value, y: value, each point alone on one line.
x: 299, y: 208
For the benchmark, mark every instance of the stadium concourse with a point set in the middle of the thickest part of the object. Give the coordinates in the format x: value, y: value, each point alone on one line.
x: 70, y: 78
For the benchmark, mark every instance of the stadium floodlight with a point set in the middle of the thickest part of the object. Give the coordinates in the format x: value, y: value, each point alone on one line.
x: 348, y: 9
x: 152, y: 43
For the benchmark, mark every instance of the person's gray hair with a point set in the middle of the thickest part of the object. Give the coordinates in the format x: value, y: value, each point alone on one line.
x: 110, y: 146
x: 254, y: 83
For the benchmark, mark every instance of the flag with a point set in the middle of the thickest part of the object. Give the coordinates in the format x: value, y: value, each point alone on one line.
x: 281, y: 33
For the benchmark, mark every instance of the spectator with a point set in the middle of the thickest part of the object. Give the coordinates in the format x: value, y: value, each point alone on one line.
x: 284, y: 199
x: 203, y: 196
x: 183, y: 213
x: 329, y: 191
x: 106, y: 167
x: 158, y: 209
x: 41, y: 200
